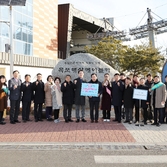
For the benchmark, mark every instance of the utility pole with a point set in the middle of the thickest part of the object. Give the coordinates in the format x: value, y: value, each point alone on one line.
x: 151, y: 31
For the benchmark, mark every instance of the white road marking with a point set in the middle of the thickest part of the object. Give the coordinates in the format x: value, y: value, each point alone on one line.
x: 131, y: 159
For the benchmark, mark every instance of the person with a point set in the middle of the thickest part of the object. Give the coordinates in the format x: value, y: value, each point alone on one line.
x: 128, y: 100
x: 106, y: 100
x: 48, y: 98
x: 149, y: 83
x: 79, y: 100
x: 95, y: 100
x: 106, y: 77
x: 144, y: 103
x: 3, y: 98
x: 14, y: 85
x: 122, y: 79
x: 135, y: 84
x: 117, y: 95
x: 166, y: 99
x: 67, y: 88
x: 158, y: 98
x: 39, y: 97
x: 27, y: 97
x: 135, y: 81
x: 56, y: 98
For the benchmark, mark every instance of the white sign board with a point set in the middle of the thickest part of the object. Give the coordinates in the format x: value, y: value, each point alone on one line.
x: 140, y: 94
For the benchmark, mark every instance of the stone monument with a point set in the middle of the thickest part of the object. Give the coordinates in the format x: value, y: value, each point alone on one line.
x: 82, y: 61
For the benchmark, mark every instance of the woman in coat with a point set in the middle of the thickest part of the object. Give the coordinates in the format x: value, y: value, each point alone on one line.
x: 56, y: 98
x: 48, y: 98
x: 106, y: 101
x: 3, y: 97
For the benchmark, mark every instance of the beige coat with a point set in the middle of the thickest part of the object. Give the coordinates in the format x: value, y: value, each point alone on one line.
x: 160, y: 96
x: 48, y: 95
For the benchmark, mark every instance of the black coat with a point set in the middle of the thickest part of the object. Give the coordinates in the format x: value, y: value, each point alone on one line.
x: 149, y: 84
x: 68, y: 92
x: 106, y: 99
x: 79, y: 100
x: 27, y: 95
x: 100, y: 90
x: 39, y: 95
x: 117, y: 93
x: 143, y: 103
x: 128, y: 97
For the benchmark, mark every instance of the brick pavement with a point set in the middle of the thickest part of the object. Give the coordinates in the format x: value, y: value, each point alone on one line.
x: 82, y: 132
x: 64, y: 132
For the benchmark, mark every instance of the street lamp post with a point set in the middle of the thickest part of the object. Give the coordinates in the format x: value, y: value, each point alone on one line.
x: 11, y: 3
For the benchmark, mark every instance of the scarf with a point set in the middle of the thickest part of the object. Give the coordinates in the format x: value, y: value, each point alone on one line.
x: 156, y: 86
x: 108, y: 91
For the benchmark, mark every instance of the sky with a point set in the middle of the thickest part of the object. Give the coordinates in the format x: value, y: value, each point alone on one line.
x: 127, y: 13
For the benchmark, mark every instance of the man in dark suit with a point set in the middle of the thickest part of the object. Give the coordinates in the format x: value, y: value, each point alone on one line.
x: 79, y: 100
x: 15, y: 96
x: 39, y: 97
x: 67, y: 88
x: 94, y: 101
x: 26, y: 88
x: 117, y: 96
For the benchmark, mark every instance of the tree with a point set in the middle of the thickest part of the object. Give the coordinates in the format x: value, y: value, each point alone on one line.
x: 108, y: 50
x: 139, y: 59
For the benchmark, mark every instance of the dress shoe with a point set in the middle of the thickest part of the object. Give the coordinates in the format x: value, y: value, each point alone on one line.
x: 36, y: 120
x: 12, y: 122
x: 83, y: 120
x: 2, y: 123
x: 92, y: 121
x: 24, y: 121
x: 114, y: 120
x: 119, y: 121
x: 154, y: 123
x: 49, y: 119
x: 40, y: 120
x: 17, y: 121
x: 96, y: 121
x: 70, y: 120
x: 77, y: 120
x: 145, y: 123
x: 28, y: 120
x: 66, y: 121
x: 126, y: 121
x: 158, y: 124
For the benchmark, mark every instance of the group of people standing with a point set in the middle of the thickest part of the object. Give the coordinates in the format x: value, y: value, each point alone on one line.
x: 155, y: 103
x: 56, y: 95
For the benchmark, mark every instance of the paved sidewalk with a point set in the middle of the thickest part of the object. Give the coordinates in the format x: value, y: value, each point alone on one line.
x: 102, y: 132
x: 148, y: 133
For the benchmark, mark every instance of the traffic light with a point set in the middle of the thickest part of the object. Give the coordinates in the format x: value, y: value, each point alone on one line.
x: 7, y: 48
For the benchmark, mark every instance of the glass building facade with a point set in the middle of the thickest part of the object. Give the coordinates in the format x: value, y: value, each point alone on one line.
x: 22, y: 28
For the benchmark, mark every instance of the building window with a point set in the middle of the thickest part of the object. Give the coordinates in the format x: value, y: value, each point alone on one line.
x: 22, y: 28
